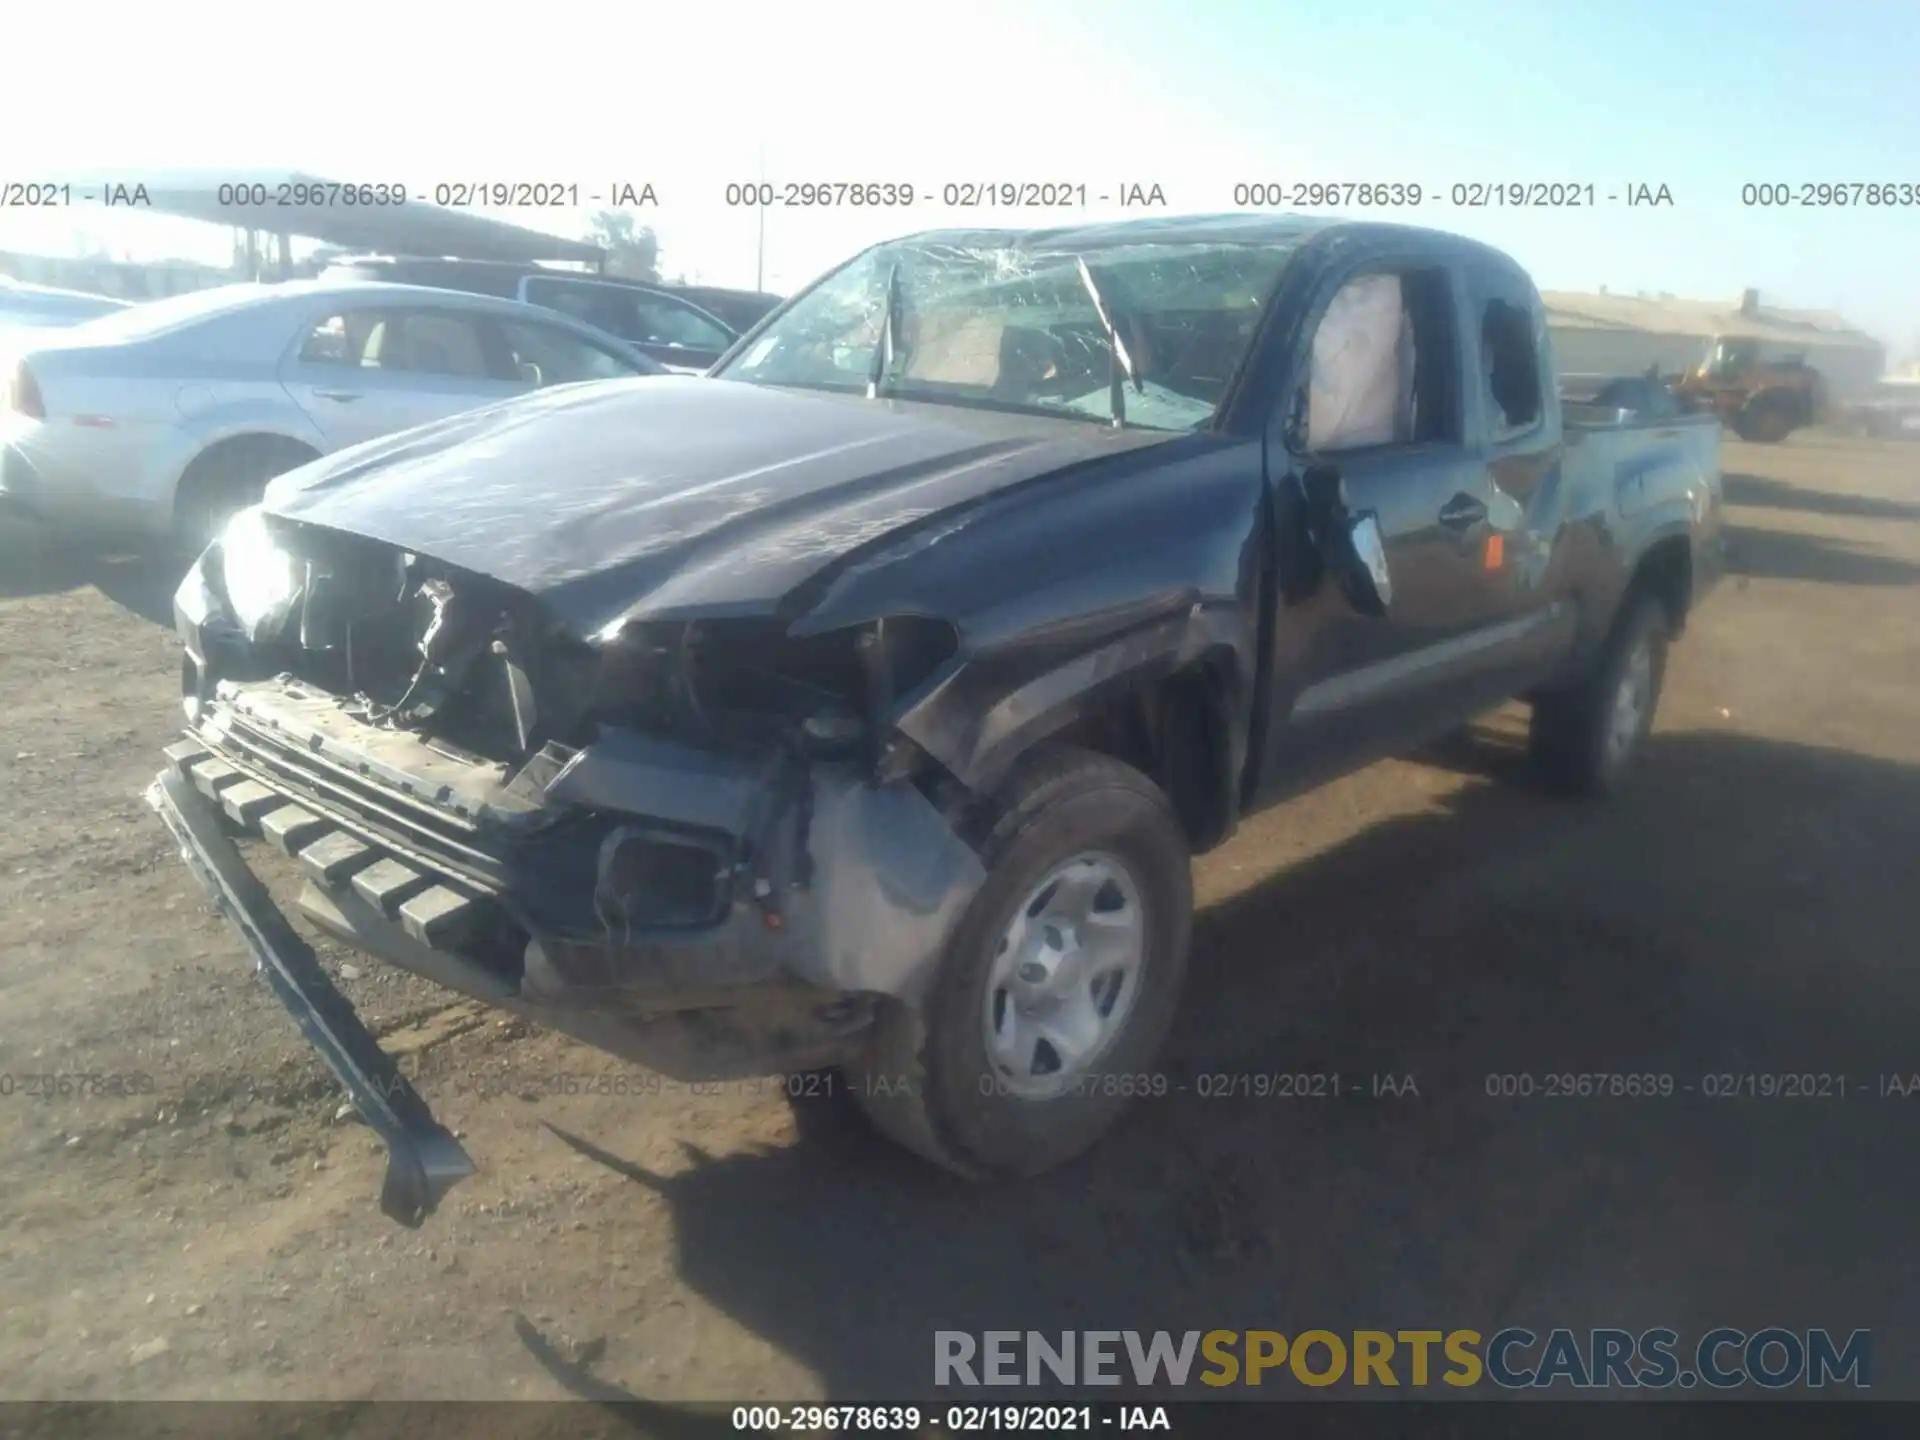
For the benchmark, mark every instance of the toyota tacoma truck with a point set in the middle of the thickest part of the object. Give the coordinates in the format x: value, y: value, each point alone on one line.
x: 861, y: 706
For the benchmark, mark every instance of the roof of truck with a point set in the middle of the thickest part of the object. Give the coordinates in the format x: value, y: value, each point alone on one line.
x: 1226, y: 229
x: 1248, y: 229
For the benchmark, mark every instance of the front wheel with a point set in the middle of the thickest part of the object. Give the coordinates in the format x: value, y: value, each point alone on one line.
x: 1058, y: 985
x: 1585, y: 740
x: 1764, y: 425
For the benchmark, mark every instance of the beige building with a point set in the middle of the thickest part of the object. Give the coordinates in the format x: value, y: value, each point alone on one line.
x: 1609, y: 334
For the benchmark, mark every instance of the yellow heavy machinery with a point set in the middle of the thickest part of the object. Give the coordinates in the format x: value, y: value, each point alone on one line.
x: 1757, y: 398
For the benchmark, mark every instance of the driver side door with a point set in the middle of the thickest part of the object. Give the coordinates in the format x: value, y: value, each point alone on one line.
x: 1380, y: 397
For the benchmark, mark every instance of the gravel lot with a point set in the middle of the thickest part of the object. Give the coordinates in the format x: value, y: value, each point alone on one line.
x: 1749, y: 906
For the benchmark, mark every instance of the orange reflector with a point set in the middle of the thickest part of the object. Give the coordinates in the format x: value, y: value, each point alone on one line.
x: 1496, y: 551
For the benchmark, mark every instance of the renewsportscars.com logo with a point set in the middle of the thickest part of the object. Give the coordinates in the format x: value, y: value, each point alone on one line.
x: 1773, y: 1358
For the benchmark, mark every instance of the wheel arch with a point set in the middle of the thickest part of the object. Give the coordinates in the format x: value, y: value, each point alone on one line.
x: 1664, y: 569
x: 213, y: 454
x: 1171, y: 709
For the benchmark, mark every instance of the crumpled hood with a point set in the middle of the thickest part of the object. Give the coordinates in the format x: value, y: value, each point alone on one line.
x: 674, y: 496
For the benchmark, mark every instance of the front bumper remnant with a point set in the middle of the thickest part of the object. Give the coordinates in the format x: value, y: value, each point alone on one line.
x: 423, y: 1160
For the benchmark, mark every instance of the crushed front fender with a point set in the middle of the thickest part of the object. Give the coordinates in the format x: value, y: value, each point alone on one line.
x: 423, y: 1158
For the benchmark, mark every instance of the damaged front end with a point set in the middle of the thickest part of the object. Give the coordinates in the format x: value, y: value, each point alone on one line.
x: 699, y: 845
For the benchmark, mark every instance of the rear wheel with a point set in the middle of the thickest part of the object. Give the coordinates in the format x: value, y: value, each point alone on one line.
x: 227, y: 478
x: 1058, y: 985
x: 1584, y: 741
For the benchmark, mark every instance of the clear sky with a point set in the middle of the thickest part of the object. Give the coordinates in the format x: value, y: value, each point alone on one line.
x: 1701, y: 96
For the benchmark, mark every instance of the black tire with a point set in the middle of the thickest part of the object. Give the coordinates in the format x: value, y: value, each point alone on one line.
x: 1572, y: 740
x: 224, y: 480
x: 927, y: 1080
x: 1767, y: 424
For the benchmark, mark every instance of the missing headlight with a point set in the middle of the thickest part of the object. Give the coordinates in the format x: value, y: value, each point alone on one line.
x: 756, y: 681
x: 261, y: 579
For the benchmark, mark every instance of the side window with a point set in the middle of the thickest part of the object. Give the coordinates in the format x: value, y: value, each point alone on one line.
x: 662, y: 322
x: 353, y: 337
x: 327, y: 343
x: 633, y: 315
x: 577, y: 302
x: 1512, y: 346
x: 1510, y: 367
x: 437, y: 342
x: 604, y: 307
x: 548, y: 355
x: 1383, y: 369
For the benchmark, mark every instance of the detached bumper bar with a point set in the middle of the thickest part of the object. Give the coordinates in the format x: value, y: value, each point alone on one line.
x: 423, y: 1160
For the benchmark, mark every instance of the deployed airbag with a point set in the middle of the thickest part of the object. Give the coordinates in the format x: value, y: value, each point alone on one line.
x: 1362, y: 386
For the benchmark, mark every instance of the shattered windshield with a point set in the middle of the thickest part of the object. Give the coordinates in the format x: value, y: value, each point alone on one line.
x: 1016, y: 328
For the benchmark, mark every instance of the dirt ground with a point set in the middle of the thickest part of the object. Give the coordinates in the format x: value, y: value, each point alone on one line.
x: 1750, y: 906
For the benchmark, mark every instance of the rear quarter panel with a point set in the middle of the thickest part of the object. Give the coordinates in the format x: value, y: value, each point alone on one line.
x: 125, y: 420
x: 1630, y: 486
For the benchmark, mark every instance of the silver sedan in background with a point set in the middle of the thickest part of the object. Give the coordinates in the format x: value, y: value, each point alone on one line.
x: 161, y: 420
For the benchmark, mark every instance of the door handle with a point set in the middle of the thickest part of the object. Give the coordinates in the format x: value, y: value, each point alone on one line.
x: 1463, y: 512
x: 343, y: 396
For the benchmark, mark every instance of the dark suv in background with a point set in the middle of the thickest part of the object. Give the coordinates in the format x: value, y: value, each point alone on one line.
x: 742, y: 309
x: 683, y: 327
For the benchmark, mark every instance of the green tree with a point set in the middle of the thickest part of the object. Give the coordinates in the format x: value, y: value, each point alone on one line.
x: 633, y: 251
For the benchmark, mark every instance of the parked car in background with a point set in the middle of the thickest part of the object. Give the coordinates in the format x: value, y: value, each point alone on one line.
x: 163, y: 419
x: 1891, y: 411
x: 742, y: 309
x: 663, y: 323
x: 865, y: 702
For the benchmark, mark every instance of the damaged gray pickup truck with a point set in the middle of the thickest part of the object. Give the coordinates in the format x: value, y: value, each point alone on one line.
x: 862, y: 704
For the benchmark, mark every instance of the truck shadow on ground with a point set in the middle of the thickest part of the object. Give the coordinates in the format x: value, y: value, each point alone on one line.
x: 1779, y: 495
x: 1744, y: 909
x: 1792, y: 555
x: 34, y: 563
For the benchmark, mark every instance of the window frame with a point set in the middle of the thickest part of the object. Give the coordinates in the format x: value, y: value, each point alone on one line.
x: 723, y: 337
x: 1295, y: 401
x: 504, y: 323
x: 634, y: 294
x: 387, y: 311
x: 310, y: 327
x: 475, y: 320
x: 1489, y: 283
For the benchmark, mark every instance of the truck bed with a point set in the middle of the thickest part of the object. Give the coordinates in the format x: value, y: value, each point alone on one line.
x: 1669, y: 459
x: 1577, y: 417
